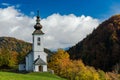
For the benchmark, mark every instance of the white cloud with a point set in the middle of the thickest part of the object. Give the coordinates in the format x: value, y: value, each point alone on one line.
x: 17, y: 5
x: 5, y: 4
x: 15, y: 24
x: 32, y: 13
x: 14, y: 29
x: 61, y: 31
x: 66, y: 30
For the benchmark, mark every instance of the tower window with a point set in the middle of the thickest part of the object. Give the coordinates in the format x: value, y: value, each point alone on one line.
x: 38, y: 41
x: 38, y: 38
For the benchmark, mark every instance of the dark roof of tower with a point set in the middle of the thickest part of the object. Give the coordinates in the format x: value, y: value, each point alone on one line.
x: 38, y: 32
x: 38, y: 26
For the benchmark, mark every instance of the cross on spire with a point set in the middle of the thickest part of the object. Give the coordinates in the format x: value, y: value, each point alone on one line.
x: 38, y: 13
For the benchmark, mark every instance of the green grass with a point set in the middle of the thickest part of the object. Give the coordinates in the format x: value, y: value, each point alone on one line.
x: 28, y: 76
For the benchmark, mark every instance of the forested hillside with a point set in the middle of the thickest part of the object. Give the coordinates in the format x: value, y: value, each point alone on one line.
x: 101, y: 49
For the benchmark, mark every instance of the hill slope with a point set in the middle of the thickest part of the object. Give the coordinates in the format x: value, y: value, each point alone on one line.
x: 30, y: 76
x: 100, y: 49
x: 13, y: 51
x: 14, y: 44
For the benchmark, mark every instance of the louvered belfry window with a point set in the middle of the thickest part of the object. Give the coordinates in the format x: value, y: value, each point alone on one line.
x: 38, y: 41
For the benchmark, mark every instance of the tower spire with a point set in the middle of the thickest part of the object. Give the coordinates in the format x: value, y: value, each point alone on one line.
x: 38, y: 26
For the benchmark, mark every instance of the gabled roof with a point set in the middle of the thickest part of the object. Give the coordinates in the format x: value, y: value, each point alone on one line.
x: 28, y: 53
x: 39, y: 61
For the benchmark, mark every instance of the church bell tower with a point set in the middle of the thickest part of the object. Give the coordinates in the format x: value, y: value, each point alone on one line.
x: 38, y: 35
x: 39, y: 56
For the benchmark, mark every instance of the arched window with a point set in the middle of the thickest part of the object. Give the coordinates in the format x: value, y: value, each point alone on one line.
x: 38, y: 41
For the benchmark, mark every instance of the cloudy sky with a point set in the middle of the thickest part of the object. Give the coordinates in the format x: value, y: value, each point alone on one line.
x: 65, y: 22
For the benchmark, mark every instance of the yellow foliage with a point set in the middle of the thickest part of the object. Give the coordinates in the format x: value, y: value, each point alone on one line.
x: 13, y: 59
x: 74, y: 70
x: 59, y: 61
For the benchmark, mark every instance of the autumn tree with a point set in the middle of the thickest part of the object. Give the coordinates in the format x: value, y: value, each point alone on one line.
x: 102, y: 75
x: 59, y: 61
x: 72, y: 70
x: 4, y: 58
x: 13, y: 59
x: 8, y: 59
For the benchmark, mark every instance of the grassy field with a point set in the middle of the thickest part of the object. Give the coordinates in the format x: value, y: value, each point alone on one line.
x: 28, y: 76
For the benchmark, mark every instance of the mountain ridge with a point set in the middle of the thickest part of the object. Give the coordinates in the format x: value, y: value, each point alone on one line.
x: 101, y: 48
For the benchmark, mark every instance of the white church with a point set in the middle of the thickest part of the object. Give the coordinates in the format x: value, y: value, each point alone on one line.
x: 36, y: 59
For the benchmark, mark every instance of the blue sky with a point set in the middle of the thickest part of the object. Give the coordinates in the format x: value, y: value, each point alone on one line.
x: 96, y: 8
x: 65, y: 22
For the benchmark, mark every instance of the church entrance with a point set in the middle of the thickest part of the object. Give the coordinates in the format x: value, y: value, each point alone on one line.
x: 40, y: 68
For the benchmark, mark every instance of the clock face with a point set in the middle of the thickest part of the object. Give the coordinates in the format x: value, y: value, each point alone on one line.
x: 38, y: 41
